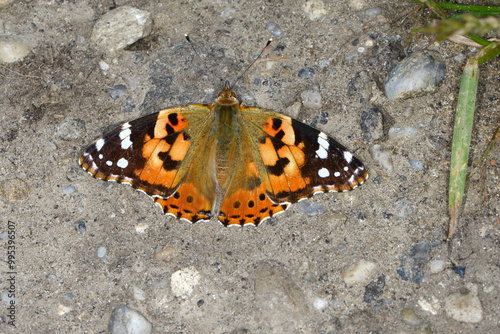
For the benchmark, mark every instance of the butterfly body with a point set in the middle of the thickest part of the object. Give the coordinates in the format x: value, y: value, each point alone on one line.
x: 262, y: 161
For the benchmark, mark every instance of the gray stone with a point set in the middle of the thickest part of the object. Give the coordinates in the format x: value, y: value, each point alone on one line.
x: 121, y: 27
x: 418, y: 74
x: 274, y: 29
x: 464, y: 306
x: 125, y: 320
x: 310, y: 208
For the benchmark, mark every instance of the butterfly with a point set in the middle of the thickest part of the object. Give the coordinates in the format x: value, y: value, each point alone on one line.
x: 261, y: 160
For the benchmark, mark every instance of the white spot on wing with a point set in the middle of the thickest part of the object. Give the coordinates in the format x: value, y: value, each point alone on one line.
x: 122, y: 163
x: 125, y: 133
x: 348, y: 157
x: 323, y: 172
x: 126, y: 125
x: 109, y: 163
x: 321, y: 152
x: 323, y: 141
x: 347, y: 168
x: 99, y: 144
x: 101, y: 156
x: 336, y: 174
x: 126, y: 143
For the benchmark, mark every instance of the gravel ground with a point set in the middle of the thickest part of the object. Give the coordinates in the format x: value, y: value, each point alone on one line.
x: 372, y: 260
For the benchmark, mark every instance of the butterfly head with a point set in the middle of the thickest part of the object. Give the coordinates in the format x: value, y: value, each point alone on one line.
x: 227, y: 97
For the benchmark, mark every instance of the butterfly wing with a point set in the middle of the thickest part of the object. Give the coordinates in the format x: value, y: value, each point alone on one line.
x: 286, y: 161
x: 155, y: 154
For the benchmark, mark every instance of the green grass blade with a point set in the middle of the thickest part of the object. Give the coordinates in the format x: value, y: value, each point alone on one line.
x: 461, y: 141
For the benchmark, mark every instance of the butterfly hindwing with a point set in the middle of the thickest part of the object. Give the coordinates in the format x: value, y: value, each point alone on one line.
x: 155, y: 154
x: 284, y: 161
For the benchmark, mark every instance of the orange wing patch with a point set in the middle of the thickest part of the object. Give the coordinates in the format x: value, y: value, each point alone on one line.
x: 187, y: 203
x: 246, y: 207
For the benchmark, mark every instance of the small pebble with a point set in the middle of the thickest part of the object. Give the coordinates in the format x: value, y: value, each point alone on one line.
x: 430, y: 305
x: 411, y: 317
x: 104, y: 67
x: 311, y: 99
x: 13, y: 49
x: 414, y: 262
x: 436, y: 266
x: 62, y: 309
x: 464, y: 306
x: 311, y: 209
x: 382, y: 156
x: 69, y: 295
x: 68, y: 189
x: 419, y: 73
x: 101, y: 253
x: 416, y: 164
x: 402, y: 133
x: 358, y: 272
x: 117, y: 91
x: 183, y: 282
x: 120, y: 27
x: 274, y: 29
x: 306, y: 73
x: 459, y: 270
x: 139, y: 294
x: 141, y: 228
x: 14, y: 189
x: 371, y: 122
x: 374, y: 289
x: 319, y: 303
x: 314, y: 9
x: 125, y: 320
x: 80, y: 226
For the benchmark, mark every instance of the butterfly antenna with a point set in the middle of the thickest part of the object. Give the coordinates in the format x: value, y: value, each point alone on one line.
x: 251, y: 64
x: 201, y: 60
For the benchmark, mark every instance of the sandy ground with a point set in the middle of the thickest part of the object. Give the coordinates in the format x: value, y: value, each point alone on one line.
x: 286, y: 276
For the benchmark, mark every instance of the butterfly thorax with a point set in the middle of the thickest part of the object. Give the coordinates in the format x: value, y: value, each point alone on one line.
x: 226, y: 111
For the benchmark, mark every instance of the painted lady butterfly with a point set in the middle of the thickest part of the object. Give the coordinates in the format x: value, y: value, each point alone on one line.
x: 262, y: 160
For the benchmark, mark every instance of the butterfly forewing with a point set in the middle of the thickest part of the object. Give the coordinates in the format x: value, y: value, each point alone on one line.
x: 155, y: 154
x: 298, y: 159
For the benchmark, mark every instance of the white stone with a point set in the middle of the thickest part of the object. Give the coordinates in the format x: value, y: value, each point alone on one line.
x: 13, y: 48
x: 431, y: 305
x: 183, y: 282
x: 320, y: 304
x: 125, y: 320
x: 104, y: 67
x: 101, y: 253
x: 464, y: 306
x: 141, y: 228
x: 62, y: 309
x: 311, y: 99
x: 121, y: 27
x: 359, y: 272
x: 436, y: 266
x: 314, y: 9
x: 403, y: 132
x: 139, y: 294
